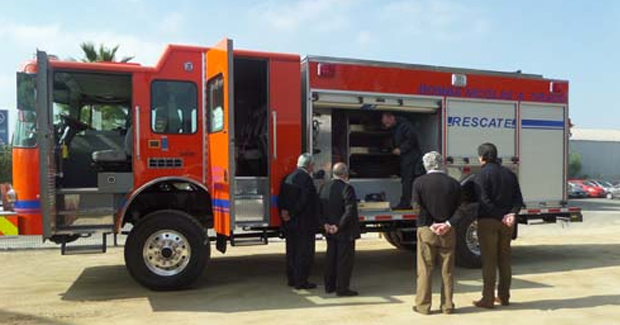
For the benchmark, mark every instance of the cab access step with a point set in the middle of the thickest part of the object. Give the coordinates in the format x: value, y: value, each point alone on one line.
x: 66, y: 249
x: 250, y: 238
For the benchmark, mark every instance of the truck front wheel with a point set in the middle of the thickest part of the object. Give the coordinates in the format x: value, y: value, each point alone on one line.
x: 167, y: 250
x: 467, y: 245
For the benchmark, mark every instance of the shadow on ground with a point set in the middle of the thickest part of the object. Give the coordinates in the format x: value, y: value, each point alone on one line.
x: 556, y: 304
x: 256, y: 282
x: 9, y: 317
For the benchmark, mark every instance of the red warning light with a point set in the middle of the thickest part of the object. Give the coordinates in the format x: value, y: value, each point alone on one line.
x: 326, y: 70
x: 558, y: 87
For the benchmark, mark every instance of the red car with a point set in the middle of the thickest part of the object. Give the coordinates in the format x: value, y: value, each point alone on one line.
x: 592, y: 189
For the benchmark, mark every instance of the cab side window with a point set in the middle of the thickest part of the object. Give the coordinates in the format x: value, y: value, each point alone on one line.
x: 174, y: 107
x: 216, y: 104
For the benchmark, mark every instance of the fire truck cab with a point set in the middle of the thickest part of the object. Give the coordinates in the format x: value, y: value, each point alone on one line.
x: 193, y: 150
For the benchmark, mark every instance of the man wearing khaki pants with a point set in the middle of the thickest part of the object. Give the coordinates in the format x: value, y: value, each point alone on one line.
x: 500, y: 200
x: 437, y: 195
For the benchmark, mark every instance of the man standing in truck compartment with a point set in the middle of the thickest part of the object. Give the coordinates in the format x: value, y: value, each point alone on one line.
x: 407, y: 147
x: 298, y: 204
x: 438, y: 196
x: 500, y: 200
x: 338, y: 215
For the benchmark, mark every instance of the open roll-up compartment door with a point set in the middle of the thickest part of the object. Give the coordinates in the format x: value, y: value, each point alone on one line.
x: 363, y: 101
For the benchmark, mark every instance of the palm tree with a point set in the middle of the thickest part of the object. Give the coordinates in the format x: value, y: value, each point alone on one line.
x: 103, y: 54
x: 110, y: 113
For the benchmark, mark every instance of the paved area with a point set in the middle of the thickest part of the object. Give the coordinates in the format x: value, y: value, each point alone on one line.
x: 562, y: 275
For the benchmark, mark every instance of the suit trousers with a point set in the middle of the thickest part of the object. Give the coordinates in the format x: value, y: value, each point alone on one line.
x: 495, y: 238
x: 434, y: 249
x: 300, y: 249
x: 339, y: 264
x: 407, y: 176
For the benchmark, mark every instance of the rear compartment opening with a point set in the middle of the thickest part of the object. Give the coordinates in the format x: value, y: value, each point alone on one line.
x: 251, y: 142
x: 251, y: 117
x: 355, y: 136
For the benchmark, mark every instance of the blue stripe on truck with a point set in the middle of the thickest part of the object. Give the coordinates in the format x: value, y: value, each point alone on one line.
x: 542, y: 124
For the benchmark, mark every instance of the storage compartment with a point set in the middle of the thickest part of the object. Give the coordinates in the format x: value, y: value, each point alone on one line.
x: 115, y: 182
x: 349, y: 132
x: 356, y: 137
x: 251, y: 200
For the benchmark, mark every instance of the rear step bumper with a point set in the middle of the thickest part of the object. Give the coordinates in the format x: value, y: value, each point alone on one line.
x: 551, y: 215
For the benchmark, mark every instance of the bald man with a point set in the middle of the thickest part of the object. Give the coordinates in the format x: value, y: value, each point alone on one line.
x: 338, y: 214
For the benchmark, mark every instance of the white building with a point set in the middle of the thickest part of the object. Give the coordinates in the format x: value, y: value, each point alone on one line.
x: 599, y: 151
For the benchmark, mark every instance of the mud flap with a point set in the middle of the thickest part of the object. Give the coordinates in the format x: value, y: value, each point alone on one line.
x: 221, y: 243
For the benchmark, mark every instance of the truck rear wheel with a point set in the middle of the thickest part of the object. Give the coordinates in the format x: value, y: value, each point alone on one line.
x: 167, y: 250
x: 467, y: 245
x: 395, y: 238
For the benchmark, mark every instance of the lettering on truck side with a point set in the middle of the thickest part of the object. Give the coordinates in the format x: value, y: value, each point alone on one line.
x: 481, y: 122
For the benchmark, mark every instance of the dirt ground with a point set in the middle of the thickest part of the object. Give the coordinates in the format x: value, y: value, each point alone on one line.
x: 561, y: 276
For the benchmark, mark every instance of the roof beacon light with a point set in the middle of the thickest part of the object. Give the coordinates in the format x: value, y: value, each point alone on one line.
x: 459, y: 80
x: 557, y: 87
x: 326, y: 70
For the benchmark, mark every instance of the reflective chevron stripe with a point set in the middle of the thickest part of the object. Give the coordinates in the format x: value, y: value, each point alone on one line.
x: 8, y: 226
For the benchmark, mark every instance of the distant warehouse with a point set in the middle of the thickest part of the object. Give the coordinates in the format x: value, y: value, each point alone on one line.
x: 599, y: 152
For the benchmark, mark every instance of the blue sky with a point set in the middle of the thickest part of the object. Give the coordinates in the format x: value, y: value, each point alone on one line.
x: 574, y: 40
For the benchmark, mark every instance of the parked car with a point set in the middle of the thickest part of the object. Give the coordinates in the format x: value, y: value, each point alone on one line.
x: 593, y: 190
x: 607, y: 186
x: 575, y: 191
x: 614, y: 192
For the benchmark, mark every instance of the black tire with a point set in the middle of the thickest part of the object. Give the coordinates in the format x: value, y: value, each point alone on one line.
x: 59, y: 239
x: 466, y: 238
x: 173, y: 221
x: 388, y: 237
x: 395, y: 238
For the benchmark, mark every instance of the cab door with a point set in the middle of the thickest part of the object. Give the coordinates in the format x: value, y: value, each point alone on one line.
x: 221, y: 133
x: 46, y: 144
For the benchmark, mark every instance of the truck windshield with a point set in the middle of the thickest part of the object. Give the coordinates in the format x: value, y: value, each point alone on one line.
x: 25, y: 132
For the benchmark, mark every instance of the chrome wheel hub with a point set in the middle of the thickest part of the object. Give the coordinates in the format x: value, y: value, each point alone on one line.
x: 166, y: 253
x: 471, y: 238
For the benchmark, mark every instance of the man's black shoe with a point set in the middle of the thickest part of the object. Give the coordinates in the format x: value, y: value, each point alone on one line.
x: 329, y: 291
x: 290, y: 284
x: 307, y: 285
x: 347, y: 293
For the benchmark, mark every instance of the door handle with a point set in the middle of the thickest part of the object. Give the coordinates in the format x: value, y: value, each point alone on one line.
x: 274, y: 118
x: 137, y: 132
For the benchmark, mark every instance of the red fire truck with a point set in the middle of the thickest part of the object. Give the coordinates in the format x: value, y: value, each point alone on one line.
x: 192, y: 150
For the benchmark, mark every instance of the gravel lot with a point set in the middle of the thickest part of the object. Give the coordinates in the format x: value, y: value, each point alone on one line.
x: 562, y: 275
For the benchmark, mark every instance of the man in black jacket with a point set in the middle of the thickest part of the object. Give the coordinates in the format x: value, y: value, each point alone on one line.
x: 500, y: 199
x: 437, y: 195
x: 298, y: 204
x: 340, y: 220
x: 407, y: 147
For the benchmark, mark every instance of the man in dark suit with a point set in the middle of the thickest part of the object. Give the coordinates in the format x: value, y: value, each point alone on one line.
x: 438, y: 196
x: 500, y: 200
x: 298, y: 204
x: 407, y: 147
x: 338, y: 211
